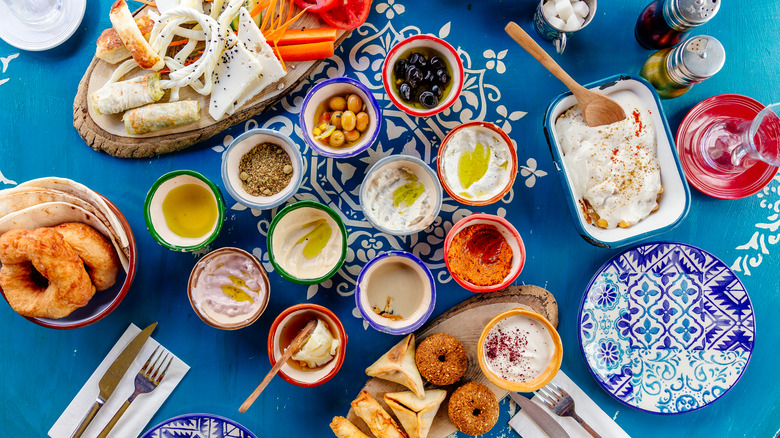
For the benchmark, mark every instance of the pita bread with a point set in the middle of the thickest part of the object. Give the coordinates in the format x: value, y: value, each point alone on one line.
x: 377, y: 419
x: 398, y: 365
x: 344, y: 428
x: 416, y: 415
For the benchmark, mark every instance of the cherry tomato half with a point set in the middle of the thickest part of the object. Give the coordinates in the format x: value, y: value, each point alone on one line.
x: 317, y: 6
x: 348, y: 14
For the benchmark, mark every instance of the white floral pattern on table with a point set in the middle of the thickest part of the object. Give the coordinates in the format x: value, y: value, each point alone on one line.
x: 666, y: 327
x: 766, y: 233
x: 337, y: 182
x: 4, y: 61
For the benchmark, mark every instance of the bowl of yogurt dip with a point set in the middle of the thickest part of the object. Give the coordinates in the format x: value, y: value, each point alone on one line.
x: 484, y: 252
x: 395, y: 292
x: 400, y: 195
x: 519, y: 351
x: 307, y: 242
x: 184, y: 211
x: 477, y: 163
x: 228, y: 288
x: 320, y: 356
x: 623, y: 181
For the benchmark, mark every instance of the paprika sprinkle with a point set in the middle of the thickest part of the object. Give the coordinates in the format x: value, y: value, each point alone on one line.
x: 480, y: 255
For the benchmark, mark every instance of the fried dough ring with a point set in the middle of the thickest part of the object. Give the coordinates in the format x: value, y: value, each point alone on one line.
x: 44, y: 250
x: 95, y: 250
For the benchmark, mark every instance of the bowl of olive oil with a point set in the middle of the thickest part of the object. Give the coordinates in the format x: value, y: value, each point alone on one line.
x: 184, y: 211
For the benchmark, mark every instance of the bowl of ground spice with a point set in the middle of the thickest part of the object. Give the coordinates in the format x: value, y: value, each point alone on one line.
x: 262, y: 168
x: 484, y: 252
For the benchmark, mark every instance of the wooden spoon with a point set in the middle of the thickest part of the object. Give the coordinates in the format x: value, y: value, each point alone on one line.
x: 294, y: 346
x: 597, y: 108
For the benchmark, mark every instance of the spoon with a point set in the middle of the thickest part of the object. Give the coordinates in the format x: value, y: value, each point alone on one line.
x: 597, y: 108
x: 294, y: 346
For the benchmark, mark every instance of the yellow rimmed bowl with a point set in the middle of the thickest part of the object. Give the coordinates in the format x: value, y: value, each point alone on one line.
x: 528, y: 385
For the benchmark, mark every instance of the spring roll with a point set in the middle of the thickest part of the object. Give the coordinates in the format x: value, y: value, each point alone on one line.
x: 344, y: 428
x: 132, y: 93
x: 110, y: 47
x: 160, y: 116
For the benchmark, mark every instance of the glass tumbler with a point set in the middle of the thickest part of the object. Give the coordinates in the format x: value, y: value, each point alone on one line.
x: 731, y: 146
x: 36, y: 14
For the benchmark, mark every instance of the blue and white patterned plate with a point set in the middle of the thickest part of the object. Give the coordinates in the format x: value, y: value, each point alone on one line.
x: 199, y: 426
x: 666, y: 327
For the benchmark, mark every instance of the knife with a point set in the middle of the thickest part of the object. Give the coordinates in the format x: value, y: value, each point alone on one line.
x: 542, y: 419
x: 113, y: 375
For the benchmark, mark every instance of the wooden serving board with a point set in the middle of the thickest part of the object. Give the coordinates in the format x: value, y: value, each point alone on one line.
x: 107, y: 132
x: 466, y: 322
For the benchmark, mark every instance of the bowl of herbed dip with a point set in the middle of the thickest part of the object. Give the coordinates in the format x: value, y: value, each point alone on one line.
x: 400, y: 195
x: 262, y: 168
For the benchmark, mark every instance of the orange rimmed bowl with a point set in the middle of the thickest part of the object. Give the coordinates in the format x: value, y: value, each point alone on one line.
x: 295, y: 318
x: 507, y: 230
x: 546, y: 374
x: 447, y: 163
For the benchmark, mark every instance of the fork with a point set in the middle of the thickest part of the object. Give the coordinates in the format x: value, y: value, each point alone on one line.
x: 560, y: 402
x: 146, y: 381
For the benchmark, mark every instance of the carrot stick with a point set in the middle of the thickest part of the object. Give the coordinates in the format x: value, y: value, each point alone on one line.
x: 178, y: 43
x: 166, y: 70
x: 278, y: 55
x: 306, y: 52
x: 258, y: 8
x: 307, y: 36
x: 268, y: 11
x: 277, y: 33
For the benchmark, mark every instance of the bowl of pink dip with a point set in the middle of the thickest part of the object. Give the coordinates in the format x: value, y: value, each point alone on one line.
x: 520, y: 351
x: 228, y: 288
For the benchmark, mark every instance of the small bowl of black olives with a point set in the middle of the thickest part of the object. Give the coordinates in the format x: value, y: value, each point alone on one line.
x: 423, y: 75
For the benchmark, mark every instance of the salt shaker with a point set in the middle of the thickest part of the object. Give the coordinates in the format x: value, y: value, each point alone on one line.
x: 675, y: 70
x: 663, y: 23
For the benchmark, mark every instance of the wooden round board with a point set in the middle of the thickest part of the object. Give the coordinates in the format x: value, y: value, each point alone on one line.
x: 466, y: 322
x: 107, y: 132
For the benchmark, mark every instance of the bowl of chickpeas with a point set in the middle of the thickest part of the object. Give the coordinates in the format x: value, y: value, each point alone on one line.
x: 340, y: 118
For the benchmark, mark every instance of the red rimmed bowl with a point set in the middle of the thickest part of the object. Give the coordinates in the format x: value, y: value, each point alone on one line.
x: 451, y: 152
x: 104, y: 302
x: 507, y: 231
x: 428, y: 43
x: 284, y: 329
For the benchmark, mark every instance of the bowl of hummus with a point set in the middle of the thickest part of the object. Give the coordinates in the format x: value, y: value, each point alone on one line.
x: 228, y: 288
x: 307, y: 242
x: 400, y: 195
x: 477, y: 163
x: 519, y: 351
x: 320, y: 356
x: 623, y: 181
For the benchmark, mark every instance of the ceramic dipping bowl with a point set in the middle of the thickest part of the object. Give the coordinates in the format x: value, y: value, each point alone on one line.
x: 243, y: 144
x: 424, y: 174
x: 287, y: 325
x: 509, y: 233
x: 103, y: 302
x: 287, y: 229
x: 676, y: 198
x: 202, y: 311
x: 442, y: 158
x: 319, y: 95
x: 424, y: 43
x: 156, y: 222
x: 553, y: 342
x: 398, y: 283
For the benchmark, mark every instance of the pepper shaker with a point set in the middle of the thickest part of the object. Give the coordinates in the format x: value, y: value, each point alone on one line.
x: 663, y: 23
x: 674, y: 71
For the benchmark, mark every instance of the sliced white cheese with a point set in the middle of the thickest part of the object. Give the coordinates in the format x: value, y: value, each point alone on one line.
x: 237, y: 71
x: 251, y: 36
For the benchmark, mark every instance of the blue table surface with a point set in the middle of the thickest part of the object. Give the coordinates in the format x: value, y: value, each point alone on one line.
x: 42, y: 369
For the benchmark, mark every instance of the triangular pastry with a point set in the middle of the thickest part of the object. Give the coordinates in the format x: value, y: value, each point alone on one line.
x: 398, y: 365
x: 416, y: 415
x: 377, y: 419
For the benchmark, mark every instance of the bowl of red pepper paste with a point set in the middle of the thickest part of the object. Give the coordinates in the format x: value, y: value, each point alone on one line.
x: 484, y: 252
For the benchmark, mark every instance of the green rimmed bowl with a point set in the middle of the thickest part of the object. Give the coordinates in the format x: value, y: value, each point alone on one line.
x: 155, y: 220
x: 289, y: 227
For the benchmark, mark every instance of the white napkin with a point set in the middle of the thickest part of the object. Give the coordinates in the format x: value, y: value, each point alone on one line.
x: 136, y: 417
x: 585, y: 407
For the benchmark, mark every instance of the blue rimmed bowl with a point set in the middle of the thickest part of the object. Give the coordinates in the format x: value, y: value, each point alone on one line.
x: 676, y: 198
x: 319, y: 95
x: 424, y: 174
x: 389, y: 278
x: 243, y: 144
